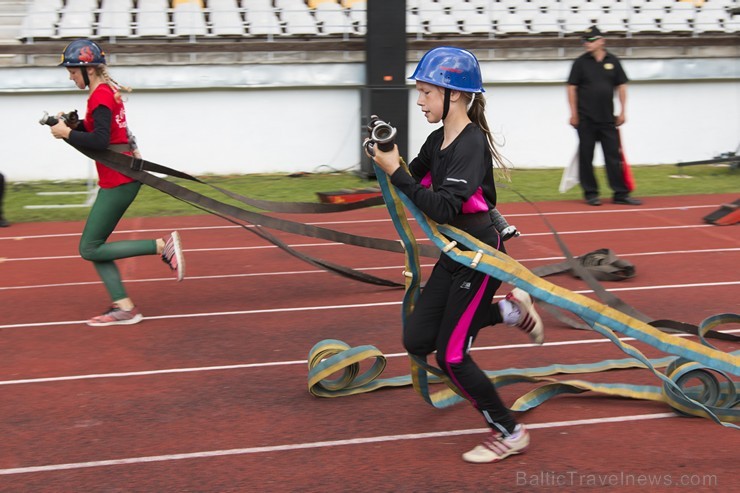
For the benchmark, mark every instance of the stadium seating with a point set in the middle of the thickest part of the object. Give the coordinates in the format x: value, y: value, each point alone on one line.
x: 480, y: 4
x: 256, y: 5
x: 151, y: 19
x: 263, y: 23
x: 510, y: 23
x: 413, y: 24
x: 332, y: 19
x: 312, y: 4
x: 188, y: 19
x: 63, y: 19
x: 358, y: 16
x: 710, y: 21
x: 676, y: 22
x: 297, y: 20
x: 732, y: 25
x: 612, y: 23
x: 644, y: 22
x: 620, y: 9
x: 41, y: 20
x: 576, y: 22
x: 225, y: 18
x: 115, y: 19
x: 45, y: 5
x: 77, y: 18
x: 287, y: 5
x: 463, y: 10
x: 545, y: 23
x: 684, y: 9
x: 443, y: 24
x: 80, y: 5
x: 477, y: 23
x: 428, y: 10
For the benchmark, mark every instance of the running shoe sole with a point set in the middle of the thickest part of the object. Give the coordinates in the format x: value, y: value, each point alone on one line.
x: 131, y: 321
x: 177, y: 244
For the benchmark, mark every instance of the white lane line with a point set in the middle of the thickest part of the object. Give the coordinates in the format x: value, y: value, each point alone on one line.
x: 325, y: 444
x: 681, y: 252
x: 311, y: 245
x: 367, y: 221
x: 199, y: 250
x: 303, y: 245
x: 272, y: 363
x: 217, y: 314
x: 619, y: 211
x: 150, y: 372
x: 190, y: 278
x: 192, y: 228
x: 243, y: 366
x: 319, y: 271
x: 342, y: 307
x: 619, y: 230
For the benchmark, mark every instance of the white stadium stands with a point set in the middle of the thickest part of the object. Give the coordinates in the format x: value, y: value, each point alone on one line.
x: 197, y: 19
x: 225, y: 18
x: 151, y: 19
x: 115, y: 19
x: 188, y: 18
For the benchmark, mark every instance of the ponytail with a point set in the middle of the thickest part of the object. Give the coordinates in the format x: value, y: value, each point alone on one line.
x: 102, y: 71
x: 477, y: 114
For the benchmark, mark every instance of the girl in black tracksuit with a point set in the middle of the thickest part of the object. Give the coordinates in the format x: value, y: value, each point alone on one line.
x: 452, y: 182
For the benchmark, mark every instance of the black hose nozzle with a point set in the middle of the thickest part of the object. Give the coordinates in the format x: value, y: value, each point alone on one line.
x: 382, y: 134
x: 72, y: 119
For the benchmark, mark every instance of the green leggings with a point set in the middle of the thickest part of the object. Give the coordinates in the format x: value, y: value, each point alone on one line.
x: 109, y: 207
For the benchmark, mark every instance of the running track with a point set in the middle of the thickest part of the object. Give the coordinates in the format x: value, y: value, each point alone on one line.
x: 209, y: 393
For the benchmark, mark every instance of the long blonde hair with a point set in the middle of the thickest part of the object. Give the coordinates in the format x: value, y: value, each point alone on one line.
x: 102, y: 72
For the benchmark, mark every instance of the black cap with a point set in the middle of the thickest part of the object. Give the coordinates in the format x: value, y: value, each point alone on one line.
x: 592, y: 34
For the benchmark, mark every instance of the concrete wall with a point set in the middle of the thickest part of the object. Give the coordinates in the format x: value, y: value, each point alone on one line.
x: 261, y: 119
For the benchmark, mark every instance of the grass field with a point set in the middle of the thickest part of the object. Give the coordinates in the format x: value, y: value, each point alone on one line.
x: 536, y: 185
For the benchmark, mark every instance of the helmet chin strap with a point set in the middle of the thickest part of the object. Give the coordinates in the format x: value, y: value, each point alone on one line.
x: 446, y: 105
x: 85, y: 78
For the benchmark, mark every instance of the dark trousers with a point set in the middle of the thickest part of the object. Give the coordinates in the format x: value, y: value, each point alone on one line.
x: 454, y: 305
x: 588, y: 134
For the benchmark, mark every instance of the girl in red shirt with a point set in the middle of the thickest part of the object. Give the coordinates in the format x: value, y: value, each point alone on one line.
x: 103, y: 127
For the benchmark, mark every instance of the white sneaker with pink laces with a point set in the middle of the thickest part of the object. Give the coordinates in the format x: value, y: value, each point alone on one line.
x: 172, y: 254
x: 529, y: 320
x: 496, y: 447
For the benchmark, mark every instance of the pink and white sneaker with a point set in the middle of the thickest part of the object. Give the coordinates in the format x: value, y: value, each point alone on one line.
x: 116, y: 316
x: 496, y: 447
x: 172, y: 254
x: 529, y: 320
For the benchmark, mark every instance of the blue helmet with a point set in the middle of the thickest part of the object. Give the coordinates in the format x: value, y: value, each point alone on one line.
x: 450, y: 67
x: 82, y: 53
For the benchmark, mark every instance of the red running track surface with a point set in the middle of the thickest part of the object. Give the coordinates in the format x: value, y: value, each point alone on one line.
x: 209, y: 393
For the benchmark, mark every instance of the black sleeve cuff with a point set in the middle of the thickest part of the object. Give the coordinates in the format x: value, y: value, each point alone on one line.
x: 401, y: 178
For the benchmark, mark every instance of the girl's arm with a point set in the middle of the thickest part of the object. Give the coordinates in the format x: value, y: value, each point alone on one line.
x: 464, y: 172
x: 99, y: 138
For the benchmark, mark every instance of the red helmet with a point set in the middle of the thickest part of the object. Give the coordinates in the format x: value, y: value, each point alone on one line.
x: 82, y: 53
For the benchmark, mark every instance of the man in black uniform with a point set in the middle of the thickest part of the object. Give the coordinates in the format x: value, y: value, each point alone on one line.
x: 593, y: 79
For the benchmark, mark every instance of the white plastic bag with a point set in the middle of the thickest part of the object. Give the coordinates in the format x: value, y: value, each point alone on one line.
x: 570, y: 175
